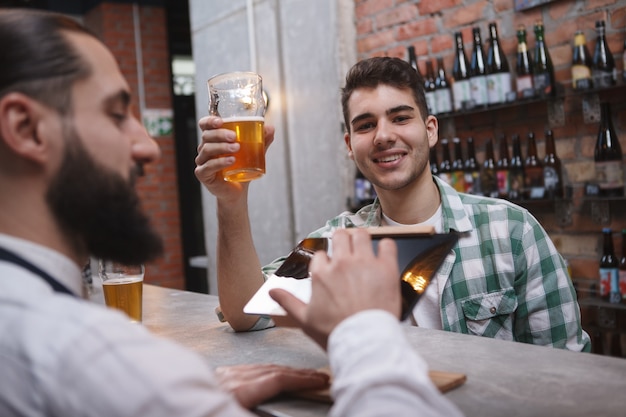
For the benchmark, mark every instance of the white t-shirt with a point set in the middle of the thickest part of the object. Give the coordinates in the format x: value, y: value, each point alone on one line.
x: 427, y: 312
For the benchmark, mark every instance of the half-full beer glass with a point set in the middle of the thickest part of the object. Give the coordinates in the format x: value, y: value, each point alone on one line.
x: 237, y: 97
x: 123, y: 287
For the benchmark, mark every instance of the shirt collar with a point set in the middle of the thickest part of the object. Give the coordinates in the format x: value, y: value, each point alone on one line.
x: 59, y: 266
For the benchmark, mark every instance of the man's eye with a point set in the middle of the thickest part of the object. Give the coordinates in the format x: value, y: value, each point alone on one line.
x: 401, y: 118
x: 119, y: 117
x: 364, y: 126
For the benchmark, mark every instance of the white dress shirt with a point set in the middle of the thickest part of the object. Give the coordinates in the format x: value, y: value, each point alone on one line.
x: 64, y: 356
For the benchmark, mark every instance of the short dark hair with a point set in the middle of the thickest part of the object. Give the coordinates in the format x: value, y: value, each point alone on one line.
x: 395, y: 72
x: 38, y: 60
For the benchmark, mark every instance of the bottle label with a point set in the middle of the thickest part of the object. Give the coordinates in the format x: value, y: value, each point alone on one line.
x: 457, y: 180
x: 489, y: 183
x: 607, y: 276
x: 550, y: 178
x: 516, y: 181
x: 581, y: 77
x: 446, y: 177
x: 444, y: 103
x: 533, y: 178
x: 472, y: 184
x: 603, y: 79
x: 431, y: 102
x: 609, y: 174
x: 622, y: 283
x: 524, y: 86
x: 542, y: 83
x: 478, y: 86
x: 461, y: 90
x: 498, y: 86
x: 503, y: 182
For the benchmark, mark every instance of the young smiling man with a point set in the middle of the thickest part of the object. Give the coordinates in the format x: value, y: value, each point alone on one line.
x: 504, y: 279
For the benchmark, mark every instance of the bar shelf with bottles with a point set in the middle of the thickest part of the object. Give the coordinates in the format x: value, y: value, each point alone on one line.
x: 531, y: 81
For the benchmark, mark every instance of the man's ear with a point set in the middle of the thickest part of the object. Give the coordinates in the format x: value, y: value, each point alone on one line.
x: 432, y: 130
x: 346, y: 139
x: 19, y: 122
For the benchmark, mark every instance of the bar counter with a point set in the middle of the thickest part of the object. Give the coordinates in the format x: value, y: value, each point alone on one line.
x: 503, y: 378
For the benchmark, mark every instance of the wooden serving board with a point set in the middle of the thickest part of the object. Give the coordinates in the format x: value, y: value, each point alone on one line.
x: 445, y: 381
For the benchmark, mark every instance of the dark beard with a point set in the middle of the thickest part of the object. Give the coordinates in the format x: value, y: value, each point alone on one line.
x: 99, y: 210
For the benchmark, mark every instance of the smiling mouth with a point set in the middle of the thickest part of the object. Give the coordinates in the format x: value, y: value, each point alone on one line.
x: 389, y: 158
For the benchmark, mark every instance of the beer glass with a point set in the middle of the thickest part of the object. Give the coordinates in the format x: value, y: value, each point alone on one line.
x: 237, y: 97
x: 123, y: 287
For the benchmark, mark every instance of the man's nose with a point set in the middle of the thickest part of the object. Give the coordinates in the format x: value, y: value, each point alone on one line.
x: 144, y: 148
x: 384, y: 133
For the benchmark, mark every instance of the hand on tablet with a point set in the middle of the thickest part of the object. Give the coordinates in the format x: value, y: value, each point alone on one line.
x: 354, y: 280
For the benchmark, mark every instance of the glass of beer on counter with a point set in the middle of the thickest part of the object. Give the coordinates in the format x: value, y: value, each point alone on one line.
x: 237, y: 97
x: 123, y: 287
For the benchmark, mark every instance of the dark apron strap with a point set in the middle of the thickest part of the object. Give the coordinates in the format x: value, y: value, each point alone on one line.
x: 8, y: 256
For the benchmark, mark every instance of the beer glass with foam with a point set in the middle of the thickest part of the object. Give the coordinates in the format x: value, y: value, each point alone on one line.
x: 237, y: 97
x: 123, y: 287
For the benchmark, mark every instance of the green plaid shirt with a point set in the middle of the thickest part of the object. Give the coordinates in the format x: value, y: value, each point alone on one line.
x: 504, y: 279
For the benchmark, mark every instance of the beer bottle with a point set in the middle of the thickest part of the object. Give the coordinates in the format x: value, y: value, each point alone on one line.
x: 543, y: 70
x: 516, y: 171
x: 552, y: 177
x: 445, y: 167
x: 523, y: 66
x: 581, y: 63
x: 472, y: 171
x: 478, y: 71
x: 622, y: 268
x: 498, y: 73
x: 434, y: 164
x: 413, y: 59
x: 608, y: 157
x: 461, y: 88
x: 624, y: 61
x: 609, y: 272
x: 533, y: 170
x: 603, y: 67
x: 442, y: 89
x: 489, y: 179
x: 457, y: 176
x: 429, y: 88
x: 502, y: 169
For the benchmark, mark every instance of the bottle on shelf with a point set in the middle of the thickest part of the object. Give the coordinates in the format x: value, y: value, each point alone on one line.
x: 442, y: 89
x: 624, y: 62
x: 608, y: 157
x: 445, y: 167
x: 363, y: 190
x: 472, y: 170
x: 457, y: 175
x: 429, y: 88
x: 622, y: 268
x: 581, y: 63
x: 523, y: 66
x: 603, y: 68
x: 489, y: 179
x: 412, y: 58
x: 609, y: 268
x: 552, y: 176
x: 543, y: 70
x: 498, y: 72
x: 461, y: 88
x: 533, y: 171
x: 502, y: 169
x: 478, y: 71
x: 516, y: 171
x: 434, y: 164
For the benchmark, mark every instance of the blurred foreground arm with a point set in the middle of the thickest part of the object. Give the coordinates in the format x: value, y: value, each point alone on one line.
x: 353, y: 313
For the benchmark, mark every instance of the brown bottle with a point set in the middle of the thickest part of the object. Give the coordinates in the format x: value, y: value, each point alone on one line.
x: 502, y: 169
x: 608, y: 157
x: 489, y: 179
x: 472, y: 170
x: 552, y: 177
x: 581, y: 63
x: 533, y: 171
x: 609, y: 272
x: 457, y: 175
x: 516, y: 171
x: 445, y: 167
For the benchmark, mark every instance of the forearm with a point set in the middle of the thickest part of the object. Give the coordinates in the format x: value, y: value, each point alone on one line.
x: 238, y: 267
x: 377, y: 373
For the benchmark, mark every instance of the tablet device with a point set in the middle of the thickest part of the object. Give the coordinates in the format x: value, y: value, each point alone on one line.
x: 421, y: 252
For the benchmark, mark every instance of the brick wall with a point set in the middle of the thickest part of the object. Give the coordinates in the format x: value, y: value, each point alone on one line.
x: 387, y: 27
x: 158, y: 189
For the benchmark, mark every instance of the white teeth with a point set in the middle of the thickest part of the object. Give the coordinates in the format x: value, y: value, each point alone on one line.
x: 389, y: 158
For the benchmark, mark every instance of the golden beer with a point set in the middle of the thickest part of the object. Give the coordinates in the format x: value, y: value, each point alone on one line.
x: 250, y: 159
x: 125, y: 294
